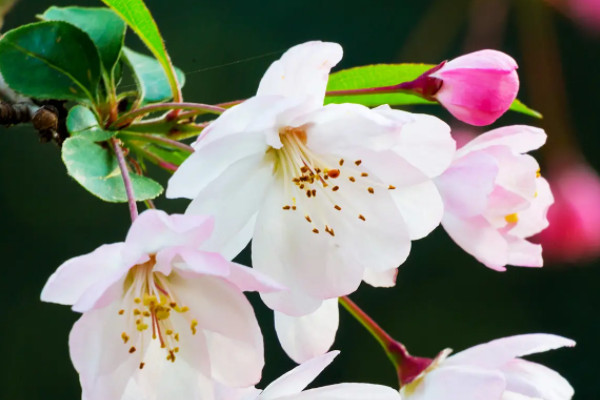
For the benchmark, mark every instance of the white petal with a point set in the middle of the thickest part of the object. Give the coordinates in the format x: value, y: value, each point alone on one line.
x: 99, y: 354
x: 423, y: 140
x: 456, y: 383
x: 348, y: 391
x: 234, y: 214
x: 227, y: 320
x: 467, y: 184
x: 311, y: 335
x: 319, y: 264
x: 354, y: 132
x: 520, y: 138
x: 522, y: 253
x: 162, y: 379
x: 154, y: 230
x: 294, y: 381
x: 86, y: 278
x: 381, y: 278
x: 421, y: 207
x: 239, y: 133
x: 536, y: 381
x: 498, y: 352
x: 303, y: 70
x: 477, y: 237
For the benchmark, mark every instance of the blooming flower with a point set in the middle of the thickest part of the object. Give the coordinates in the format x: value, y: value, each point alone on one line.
x: 290, y: 386
x: 493, y: 371
x: 495, y: 198
x: 574, y: 231
x: 158, y: 313
x: 330, y: 194
x: 476, y: 88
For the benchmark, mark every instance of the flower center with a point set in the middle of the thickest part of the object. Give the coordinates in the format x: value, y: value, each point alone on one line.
x: 308, y: 175
x: 148, y: 304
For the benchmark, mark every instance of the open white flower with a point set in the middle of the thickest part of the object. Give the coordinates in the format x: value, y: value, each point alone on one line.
x: 159, y: 315
x: 330, y: 195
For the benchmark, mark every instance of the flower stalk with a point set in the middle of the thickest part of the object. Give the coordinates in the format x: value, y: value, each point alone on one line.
x: 407, y: 367
x: 133, y: 211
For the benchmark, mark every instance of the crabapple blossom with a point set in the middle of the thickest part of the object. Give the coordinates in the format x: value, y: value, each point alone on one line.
x: 159, y: 314
x: 330, y: 195
x: 493, y: 370
x: 476, y: 88
x: 495, y: 198
x: 290, y: 386
x: 574, y: 230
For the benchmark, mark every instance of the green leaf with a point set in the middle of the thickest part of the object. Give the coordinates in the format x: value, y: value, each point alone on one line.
x: 138, y: 17
x: 380, y: 75
x: 517, y: 106
x: 153, y: 84
x: 82, y: 122
x: 50, y: 60
x: 377, y: 75
x: 103, y: 26
x: 96, y: 169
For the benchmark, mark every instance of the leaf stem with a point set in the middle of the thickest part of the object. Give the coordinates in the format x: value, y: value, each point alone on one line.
x: 126, y: 179
x: 130, y: 116
x: 159, y: 139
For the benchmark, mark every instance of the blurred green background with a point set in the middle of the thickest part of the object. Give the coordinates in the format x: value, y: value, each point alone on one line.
x: 444, y: 298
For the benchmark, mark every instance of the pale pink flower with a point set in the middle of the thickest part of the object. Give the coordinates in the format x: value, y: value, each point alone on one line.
x: 290, y: 386
x: 495, y: 197
x: 493, y: 371
x: 476, y: 88
x: 574, y: 231
x: 159, y: 314
x: 587, y: 12
x: 330, y: 195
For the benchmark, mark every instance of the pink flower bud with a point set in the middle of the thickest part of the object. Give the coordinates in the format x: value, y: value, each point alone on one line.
x: 574, y: 231
x: 476, y: 88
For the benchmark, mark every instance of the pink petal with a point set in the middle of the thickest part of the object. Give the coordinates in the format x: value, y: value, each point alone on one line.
x: 519, y: 138
x: 478, y: 88
x: 466, y: 185
x: 251, y: 280
x: 154, y: 230
x: 477, y: 237
x: 306, y: 337
x: 185, y: 258
x: 86, y: 278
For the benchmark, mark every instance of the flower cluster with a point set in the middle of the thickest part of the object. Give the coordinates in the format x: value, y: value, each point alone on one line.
x: 330, y: 196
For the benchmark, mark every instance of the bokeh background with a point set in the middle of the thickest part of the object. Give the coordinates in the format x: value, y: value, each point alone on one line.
x: 444, y: 298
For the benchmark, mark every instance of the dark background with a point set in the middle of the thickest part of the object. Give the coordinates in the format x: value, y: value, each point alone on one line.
x: 443, y: 297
